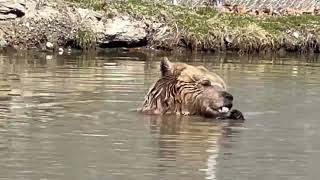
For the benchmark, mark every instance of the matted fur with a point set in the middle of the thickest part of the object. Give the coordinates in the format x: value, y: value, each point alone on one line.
x: 178, y: 88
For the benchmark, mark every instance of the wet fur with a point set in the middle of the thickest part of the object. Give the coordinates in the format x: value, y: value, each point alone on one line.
x: 178, y: 88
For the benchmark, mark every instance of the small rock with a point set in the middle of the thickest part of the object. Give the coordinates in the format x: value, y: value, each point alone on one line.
x: 69, y: 50
x: 229, y: 38
x: 3, y: 43
x: 49, y: 45
x: 60, y: 51
x: 296, y: 34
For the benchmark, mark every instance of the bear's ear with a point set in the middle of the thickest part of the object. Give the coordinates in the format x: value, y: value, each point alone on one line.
x: 166, y: 67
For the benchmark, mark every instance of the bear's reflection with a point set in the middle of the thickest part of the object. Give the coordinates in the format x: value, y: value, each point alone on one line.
x: 189, y: 144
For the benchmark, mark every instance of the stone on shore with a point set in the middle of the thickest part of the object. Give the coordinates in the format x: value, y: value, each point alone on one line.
x: 123, y: 29
x: 3, y: 42
x: 56, y: 22
x: 11, y: 9
x: 49, y: 45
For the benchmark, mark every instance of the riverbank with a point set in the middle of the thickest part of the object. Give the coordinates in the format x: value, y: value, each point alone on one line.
x: 60, y: 25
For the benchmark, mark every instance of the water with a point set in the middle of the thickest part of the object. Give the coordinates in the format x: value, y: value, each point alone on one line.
x: 70, y: 117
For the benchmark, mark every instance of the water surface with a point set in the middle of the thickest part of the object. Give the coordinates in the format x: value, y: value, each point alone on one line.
x: 69, y: 117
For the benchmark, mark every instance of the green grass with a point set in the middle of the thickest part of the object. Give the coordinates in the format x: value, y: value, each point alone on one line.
x: 85, y: 40
x: 92, y: 4
x: 205, y: 28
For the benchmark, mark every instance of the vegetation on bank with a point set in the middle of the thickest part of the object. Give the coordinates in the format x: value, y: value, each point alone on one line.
x: 85, y: 39
x: 204, y: 28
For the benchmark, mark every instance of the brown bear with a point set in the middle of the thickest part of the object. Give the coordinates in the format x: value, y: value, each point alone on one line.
x: 189, y: 90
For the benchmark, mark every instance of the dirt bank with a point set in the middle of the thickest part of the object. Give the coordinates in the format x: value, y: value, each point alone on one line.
x: 51, y: 25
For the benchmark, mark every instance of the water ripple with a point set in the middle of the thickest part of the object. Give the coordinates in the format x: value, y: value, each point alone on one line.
x: 72, y: 117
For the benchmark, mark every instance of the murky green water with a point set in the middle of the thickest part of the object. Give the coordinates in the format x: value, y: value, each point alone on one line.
x: 69, y: 117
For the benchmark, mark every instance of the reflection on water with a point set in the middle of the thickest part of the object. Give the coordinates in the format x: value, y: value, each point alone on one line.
x: 190, y: 142
x: 70, y: 117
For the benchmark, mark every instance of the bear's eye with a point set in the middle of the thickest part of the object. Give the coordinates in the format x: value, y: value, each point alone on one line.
x: 205, y: 82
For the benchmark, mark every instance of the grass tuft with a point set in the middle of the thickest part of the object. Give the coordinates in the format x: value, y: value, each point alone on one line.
x: 86, y: 40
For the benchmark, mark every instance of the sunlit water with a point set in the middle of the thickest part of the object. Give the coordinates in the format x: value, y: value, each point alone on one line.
x: 71, y: 117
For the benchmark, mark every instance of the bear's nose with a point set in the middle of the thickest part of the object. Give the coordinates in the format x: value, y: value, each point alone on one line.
x: 227, y: 96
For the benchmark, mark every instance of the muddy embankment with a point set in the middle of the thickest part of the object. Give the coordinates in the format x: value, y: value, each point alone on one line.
x: 61, y: 25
